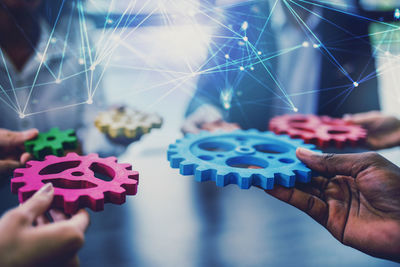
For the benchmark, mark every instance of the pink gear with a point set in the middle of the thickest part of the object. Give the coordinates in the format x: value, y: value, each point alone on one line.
x: 75, y: 183
x: 322, y: 131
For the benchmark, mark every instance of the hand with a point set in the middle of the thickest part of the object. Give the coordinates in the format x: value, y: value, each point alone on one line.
x: 357, y: 200
x: 383, y: 131
x: 12, y: 149
x: 219, y: 125
x: 207, y: 118
x: 47, y: 244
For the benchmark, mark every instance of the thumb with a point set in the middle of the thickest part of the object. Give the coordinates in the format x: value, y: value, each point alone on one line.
x: 334, y: 164
x: 18, y: 138
x: 39, y: 203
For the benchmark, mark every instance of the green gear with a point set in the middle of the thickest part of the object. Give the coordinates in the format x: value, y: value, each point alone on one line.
x: 53, y: 142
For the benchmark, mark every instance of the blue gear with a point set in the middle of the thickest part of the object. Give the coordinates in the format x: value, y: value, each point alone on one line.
x: 244, y: 158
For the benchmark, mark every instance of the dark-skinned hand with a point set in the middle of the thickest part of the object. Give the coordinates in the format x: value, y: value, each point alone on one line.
x: 357, y: 199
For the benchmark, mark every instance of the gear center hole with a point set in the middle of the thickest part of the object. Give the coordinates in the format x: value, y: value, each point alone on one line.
x: 51, y: 138
x: 77, y: 173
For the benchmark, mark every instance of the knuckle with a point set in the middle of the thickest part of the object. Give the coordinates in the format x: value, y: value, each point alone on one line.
x: 372, y: 156
x: 18, y: 216
x: 75, y: 238
x: 329, y: 157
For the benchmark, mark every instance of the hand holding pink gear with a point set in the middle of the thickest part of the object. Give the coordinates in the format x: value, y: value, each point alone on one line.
x: 75, y: 181
x: 322, y: 131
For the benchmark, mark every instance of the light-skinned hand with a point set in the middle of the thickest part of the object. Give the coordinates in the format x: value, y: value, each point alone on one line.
x: 12, y: 149
x: 45, y: 244
x: 207, y: 118
x: 356, y: 199
x: 383, y: 130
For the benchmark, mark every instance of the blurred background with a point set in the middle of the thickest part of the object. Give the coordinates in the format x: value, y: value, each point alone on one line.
x: 151, y: 56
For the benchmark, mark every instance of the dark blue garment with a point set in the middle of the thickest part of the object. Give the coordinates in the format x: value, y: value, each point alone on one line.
x: 255, y: 95
x: 250, y: 91
x: 352, y: 49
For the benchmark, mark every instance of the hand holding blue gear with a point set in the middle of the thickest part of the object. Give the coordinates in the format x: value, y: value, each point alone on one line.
x: 244, y: 158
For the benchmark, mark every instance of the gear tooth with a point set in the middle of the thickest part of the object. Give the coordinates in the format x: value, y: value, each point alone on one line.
x: 223, y: 178
x: 245, y: 182
x: 126, y: 166
x: 172, y: 147
x: 263, y: 181
x: 16, y: 184
x: 19, y: 172
x: 303, y: 174
x: 112, y: 159
x: 187, y: 168
x: 50, y: 157
x: 72, y: 155
x: 175, y: 161
x: 203, y: 174
x: 286, y: 179
x: 117, y: 196
x: 170, y: 154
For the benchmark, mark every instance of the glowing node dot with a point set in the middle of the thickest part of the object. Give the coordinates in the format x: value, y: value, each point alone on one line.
x: 89, y: 101
x: 81, y: 61
x: 251, y: 68
x: 53, y: 40
x: 306, y: 44
x: 245, y: 25
x: 259, y: 52
x: 110, y: 21
x: 387, y: 53
x: 245, y: 39
x: 241, y: 68
x: 316, y: 45
x: 58, y: 81
x: 21, y: 115
x: 295, y: 109
x: 356, y: 84
x: 93, y: 67
x: 227, y: 56
x: 397, y: 13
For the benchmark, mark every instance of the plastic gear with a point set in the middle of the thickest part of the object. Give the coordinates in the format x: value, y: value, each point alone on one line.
x: 53, y: 142
x: 322, y: 131
x: 127, y: 122
x: 244, y: 158
x: 75, y: 181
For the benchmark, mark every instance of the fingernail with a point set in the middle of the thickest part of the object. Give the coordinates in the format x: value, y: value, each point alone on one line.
x: 46, y: 189
x: 306, y: 152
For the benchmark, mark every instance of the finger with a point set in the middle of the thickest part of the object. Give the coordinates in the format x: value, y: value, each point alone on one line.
x: 74, y: 262
x: 363, y: 118
x: 42, y: 220
x: 335, y: 164
x: 58, y: 215
x: 62, y: 238
x: 81, y: 220
x: 310, y: 204
x: 25, y: 157
x: 190, y: 127
x: 8, y: 165
x: 15, y: 139
x: 38, y: 203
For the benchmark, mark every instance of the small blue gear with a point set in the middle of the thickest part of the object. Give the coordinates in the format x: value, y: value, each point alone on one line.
x: 241, y: 157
